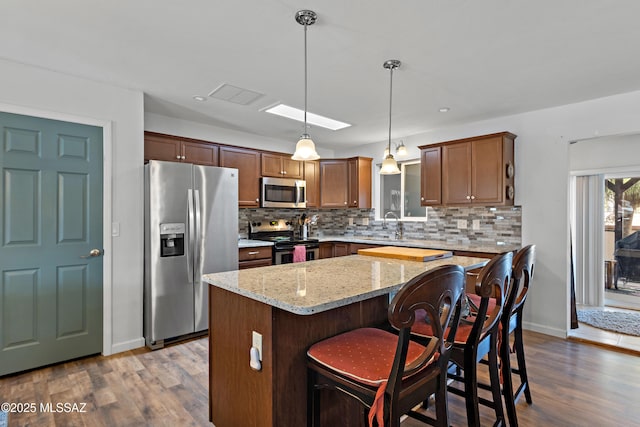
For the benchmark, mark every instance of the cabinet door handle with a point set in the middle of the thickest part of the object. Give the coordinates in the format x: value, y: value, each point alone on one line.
x: 178, y: 157
x: 468, y: 197
x: 253, y: 253
x: 422, y: 199
x: 257, y: 200
x: 345, y: 203
x: 284, y: 172
x: 473, y: 197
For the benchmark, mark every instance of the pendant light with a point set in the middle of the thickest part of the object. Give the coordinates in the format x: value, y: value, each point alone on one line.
x: 305, y: 148
x: 389, y: 165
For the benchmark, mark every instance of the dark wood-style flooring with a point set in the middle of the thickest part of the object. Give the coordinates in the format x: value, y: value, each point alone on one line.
x: 573, y: 384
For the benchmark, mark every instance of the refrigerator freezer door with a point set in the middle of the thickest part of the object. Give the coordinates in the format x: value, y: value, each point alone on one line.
x: 168, y: 289
x: 217, y: 243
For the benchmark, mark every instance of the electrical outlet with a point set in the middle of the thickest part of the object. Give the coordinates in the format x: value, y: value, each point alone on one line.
x: 462, y: 224
x: 350, y: 221
x: 476, y: 224
x: 365, y: 221
x: 256, y: 341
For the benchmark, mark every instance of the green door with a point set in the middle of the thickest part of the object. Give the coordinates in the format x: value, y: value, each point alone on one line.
x: 51, y: 221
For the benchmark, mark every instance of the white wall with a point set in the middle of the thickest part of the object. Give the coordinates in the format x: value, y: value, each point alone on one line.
x: 542, y: 173
x: 609, y: 154
x: 39, y: 92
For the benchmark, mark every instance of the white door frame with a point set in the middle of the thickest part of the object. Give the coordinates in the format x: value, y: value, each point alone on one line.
x: 107, y: 259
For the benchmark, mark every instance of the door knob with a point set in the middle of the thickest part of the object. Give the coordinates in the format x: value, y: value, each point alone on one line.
x: 92, y: 253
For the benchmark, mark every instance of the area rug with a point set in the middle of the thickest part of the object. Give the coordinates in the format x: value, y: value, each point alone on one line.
x: 616, y: 321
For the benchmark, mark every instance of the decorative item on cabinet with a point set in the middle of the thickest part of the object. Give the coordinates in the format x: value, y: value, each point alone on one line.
x: 473, y: 171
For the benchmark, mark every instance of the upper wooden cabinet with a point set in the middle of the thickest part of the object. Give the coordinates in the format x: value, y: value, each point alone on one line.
x: 248, y: 164
x: 281, y: 166
x: 359, y: 182
x: 312, y: 177
x: 175, y: 149
x: 345, y: 183
x: 474, y: 171
x: 334, y: 189
x: 431, y: 176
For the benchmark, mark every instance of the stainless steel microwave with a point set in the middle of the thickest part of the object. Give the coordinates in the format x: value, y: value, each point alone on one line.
x: 283, y: 193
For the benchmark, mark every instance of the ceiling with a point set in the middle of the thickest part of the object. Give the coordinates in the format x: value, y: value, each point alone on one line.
x: 482, y: 59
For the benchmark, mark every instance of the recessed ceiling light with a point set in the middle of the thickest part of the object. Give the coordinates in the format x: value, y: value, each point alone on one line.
x: 314, y: 119
x: 444, y: 109
x: 200, y: 98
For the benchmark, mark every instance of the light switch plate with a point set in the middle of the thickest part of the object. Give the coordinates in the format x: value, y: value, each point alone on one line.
x: 476, y: 224
x: 115, y: 229
x: 462, y: 224
x: 256, y: 341
x: 350, y: 221
x: 365, y: 221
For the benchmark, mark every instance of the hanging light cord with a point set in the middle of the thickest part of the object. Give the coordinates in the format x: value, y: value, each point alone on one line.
x: 390, y: 97
x: 305, y: 78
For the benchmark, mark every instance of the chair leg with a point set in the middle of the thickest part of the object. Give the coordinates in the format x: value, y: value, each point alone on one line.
x: 442, y: 408
x: 507, y: 382
x: 471, y: 389
x: 494, y: 375
x: 313, y: 400
x: 522, y: 366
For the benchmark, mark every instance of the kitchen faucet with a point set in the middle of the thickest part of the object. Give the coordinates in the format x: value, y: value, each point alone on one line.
x: 399, y: 225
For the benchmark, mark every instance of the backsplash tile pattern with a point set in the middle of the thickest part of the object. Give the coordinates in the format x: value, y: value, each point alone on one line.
x: 500, y: 224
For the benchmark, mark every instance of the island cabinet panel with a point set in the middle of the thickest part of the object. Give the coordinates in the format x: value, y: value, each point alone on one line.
x: 277, y: 394
x: 473, y: 171
x: 334, y: 175
x: 248, y: 164
x: 176, y: 149
x: 431, y: 176
x: 281, y: 166
x: 312, y: 177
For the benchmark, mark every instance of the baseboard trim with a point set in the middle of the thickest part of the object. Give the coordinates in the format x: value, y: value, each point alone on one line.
x: 544, y: 329
x: 126, y: 346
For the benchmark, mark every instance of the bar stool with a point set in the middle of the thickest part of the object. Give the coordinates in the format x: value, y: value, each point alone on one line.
x: 477, y: 337
x: 523, y: 264
x: 390, y: 374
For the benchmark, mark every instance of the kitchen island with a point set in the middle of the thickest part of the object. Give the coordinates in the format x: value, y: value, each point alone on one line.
x: 293, y: 306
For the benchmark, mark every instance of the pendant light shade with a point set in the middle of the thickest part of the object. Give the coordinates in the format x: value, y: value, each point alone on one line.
x: 305, y: 148
x: 389, y: 165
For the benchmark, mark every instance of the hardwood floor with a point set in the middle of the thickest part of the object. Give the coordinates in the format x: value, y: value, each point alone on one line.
x: 573, y: 384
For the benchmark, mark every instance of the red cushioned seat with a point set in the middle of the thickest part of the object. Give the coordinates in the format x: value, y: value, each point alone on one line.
x: 364, y: 355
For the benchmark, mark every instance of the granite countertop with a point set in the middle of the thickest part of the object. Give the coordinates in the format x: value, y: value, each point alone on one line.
x: 423, y: 244
x: 248, y: 243
x: 315, y: 286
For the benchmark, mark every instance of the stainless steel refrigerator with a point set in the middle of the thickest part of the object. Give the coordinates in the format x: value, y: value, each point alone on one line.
x: 191, y: 229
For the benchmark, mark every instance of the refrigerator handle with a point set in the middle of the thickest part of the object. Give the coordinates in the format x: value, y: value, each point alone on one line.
x: 197, y: 240
x: 191, y: 236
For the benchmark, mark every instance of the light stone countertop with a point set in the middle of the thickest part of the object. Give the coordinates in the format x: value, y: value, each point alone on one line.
x: 423, y: 244
x: 248, y: 243
x: 315, y: 286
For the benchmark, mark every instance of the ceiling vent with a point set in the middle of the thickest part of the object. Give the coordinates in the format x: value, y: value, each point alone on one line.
x: 237, y: 95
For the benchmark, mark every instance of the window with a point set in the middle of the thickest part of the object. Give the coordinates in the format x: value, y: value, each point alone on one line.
x: 400, y: 193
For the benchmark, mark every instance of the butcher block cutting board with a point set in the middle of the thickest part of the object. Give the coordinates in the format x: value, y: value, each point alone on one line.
x: 409, y: 254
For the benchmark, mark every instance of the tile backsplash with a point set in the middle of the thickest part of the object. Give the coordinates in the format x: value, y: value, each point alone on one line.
x: 499, y: 224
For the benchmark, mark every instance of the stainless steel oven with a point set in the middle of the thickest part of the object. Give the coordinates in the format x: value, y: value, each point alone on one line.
x: 283, y: 193
x: 284, y: 255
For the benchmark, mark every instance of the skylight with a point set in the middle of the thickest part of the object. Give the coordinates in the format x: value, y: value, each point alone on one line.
x: 314, y: 119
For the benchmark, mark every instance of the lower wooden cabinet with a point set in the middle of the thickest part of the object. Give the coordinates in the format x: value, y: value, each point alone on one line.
x: 254, y: 257
x: 336, y: 249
